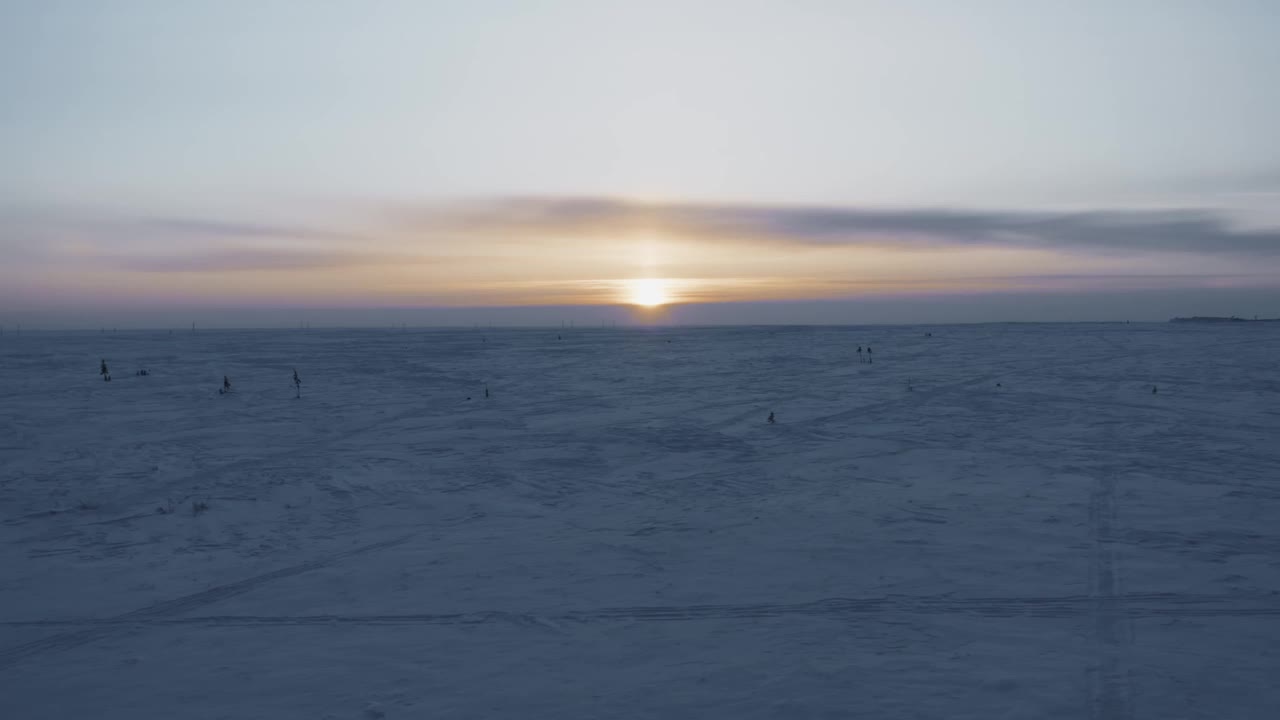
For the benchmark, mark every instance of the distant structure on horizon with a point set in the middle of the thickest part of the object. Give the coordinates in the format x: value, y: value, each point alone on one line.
x: 1210, y: 319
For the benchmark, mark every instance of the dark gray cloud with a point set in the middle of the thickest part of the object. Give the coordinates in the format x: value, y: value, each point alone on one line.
x: 1116, y: 231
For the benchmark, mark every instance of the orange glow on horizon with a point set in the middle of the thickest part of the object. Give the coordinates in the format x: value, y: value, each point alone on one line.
x: 581, y: 266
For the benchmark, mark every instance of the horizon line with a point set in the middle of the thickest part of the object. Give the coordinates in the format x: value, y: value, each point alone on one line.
x: 7, y: 330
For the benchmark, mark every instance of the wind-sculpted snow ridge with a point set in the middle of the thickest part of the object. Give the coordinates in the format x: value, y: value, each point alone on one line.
x: 989, y: 521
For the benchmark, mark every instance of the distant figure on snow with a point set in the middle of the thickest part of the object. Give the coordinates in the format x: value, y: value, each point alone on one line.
x: 1153, y: 389
x: 226, y: 384
x: 297, y: 382
x: 486, y: 391
x: 868, y: 354
x: 771, y: 420
x: 102, y: 370
x: 859, y: 353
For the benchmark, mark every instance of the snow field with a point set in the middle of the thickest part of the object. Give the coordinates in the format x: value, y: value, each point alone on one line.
x: 618, y: 532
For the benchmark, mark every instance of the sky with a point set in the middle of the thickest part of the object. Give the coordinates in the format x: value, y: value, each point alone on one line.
x: 723, y: 162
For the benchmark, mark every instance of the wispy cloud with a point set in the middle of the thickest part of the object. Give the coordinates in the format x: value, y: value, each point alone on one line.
x: 104, y: 228
x: 189, y: 227
x: 1109, y: 231
x: 242, y: 260
x: 183, y: 245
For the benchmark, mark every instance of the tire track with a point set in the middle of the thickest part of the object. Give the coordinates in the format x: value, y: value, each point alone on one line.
x: 1112, y: 698
x: 160, y: 611
x: 1124, y: 607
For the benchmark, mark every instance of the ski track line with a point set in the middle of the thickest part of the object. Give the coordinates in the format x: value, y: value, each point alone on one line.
x: 159, y: 611
x: 736, y: 419
x: 1111, y: 692
x: 1123, y: 607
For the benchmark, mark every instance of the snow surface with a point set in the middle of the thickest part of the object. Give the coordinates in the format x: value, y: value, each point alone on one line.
x: 1028, y: 532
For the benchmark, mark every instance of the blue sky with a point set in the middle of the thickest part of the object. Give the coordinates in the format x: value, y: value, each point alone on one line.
x: 422, y: 154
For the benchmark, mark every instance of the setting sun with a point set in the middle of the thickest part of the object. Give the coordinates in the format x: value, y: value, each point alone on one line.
x: 648, y: 292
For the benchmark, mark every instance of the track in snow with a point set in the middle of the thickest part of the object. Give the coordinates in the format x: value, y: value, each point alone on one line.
x: 1118, y: 610
x: 169, y: 608
x: 1111, y: 683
